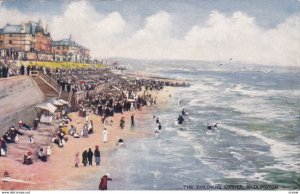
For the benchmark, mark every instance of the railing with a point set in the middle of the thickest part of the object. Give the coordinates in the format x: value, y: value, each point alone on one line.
x: 50, y: 81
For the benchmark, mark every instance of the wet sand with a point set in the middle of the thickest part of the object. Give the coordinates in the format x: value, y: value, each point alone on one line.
x: 59, y: 172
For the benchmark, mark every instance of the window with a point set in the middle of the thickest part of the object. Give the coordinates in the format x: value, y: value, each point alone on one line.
x: 10, y: 42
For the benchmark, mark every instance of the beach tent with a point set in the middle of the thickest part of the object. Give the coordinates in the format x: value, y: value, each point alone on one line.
x: 46, y: 109
x: 46, y: 106
x: 55, y: 102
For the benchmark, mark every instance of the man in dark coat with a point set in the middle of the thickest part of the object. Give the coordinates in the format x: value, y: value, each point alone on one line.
x: 157, y: 120
x: 159, y: 126
x: 28, y: 70
x: 22, y: 69
x: 90, y: 156
x: 103, y: 182
x: 100, y: 110
x: 84, y: 158
x: 180, y: 119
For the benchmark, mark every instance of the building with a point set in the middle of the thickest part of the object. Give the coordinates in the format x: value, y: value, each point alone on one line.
x: 21, y: 41
x: 31, y: 41
x: 69, y: 50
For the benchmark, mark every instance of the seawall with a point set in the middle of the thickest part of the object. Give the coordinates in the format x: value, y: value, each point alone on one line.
x: 18, y: 95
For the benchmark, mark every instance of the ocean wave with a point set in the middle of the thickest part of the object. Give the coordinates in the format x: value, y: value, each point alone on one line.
x: 280, y: 151
x: 237, y: 155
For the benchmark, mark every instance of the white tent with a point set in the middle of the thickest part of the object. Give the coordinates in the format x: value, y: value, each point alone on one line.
x: 46, y: 106
x: 55, y: 102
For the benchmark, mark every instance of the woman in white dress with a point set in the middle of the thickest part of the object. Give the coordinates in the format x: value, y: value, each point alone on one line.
x: 105, y: 135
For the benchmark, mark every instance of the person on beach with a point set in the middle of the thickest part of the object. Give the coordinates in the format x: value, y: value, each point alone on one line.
x: 27, y: 159
x: 84, y: 157
x: 3, y: 147
x: 97, y: 155
x: 85, y: 130
x: 180, y: 119
x: 22, y: 69
x: 103, y: 182
x: 122, y: 123
x: 209, y: 127
x: 35, y: 124
x: 90, y: 157
x: 132, y: 120
x: 216, y: 126
x: 77, y: 159
x: 28, y: 70
x: 41, y: 155
x: 105, y: 135
x: 157, y: 120
x: 90, y: 127
x: 159, y: 126
x: 23, y: 125
x: 183, y: 112
x: 73, y: 132
x: 120, y: 142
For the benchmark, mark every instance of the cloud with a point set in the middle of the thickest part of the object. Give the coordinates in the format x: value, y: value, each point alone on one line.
x: 239, y: 37
x: 221, y: 37
x: 14, y: 16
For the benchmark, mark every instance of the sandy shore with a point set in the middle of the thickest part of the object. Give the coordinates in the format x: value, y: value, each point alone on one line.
x: 59, y: 172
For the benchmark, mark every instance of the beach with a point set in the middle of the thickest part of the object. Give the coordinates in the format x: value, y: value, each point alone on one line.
x: 59, y: 171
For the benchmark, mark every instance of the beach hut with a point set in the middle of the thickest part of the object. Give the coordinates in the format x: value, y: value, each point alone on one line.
x: 45, y: 112
x: 58, y: 105
x: 55, y: 102
x: 65, y: 106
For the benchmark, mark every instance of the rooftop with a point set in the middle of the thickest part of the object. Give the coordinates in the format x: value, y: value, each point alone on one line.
x: 67, y: 42
x: 25, y: 28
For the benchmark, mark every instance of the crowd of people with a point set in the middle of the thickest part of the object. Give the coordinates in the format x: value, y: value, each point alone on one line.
x: 10, y: 136
x: 119, y: 95
x: 87, y: 157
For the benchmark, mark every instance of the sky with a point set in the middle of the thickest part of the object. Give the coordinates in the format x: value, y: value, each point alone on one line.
x: 263, y: 32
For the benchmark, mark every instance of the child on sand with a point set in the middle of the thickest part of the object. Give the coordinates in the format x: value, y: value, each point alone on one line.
x: 76, y: 159
x: 122, y: 123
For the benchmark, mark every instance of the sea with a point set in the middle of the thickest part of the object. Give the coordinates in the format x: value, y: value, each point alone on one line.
x: 255, y: 146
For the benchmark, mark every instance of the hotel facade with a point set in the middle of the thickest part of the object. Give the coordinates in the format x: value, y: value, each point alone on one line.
x: 31, y: 41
